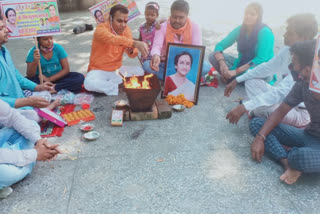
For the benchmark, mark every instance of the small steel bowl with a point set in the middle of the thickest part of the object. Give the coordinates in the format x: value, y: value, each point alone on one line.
x: 93, y: 135
x: 179, y: 108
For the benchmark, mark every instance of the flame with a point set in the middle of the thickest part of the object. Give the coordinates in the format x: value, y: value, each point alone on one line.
x: 134, y: 81
x: 145, y: 82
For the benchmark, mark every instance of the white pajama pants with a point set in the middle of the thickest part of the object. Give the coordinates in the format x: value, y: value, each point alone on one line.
x: 107, y: 82
x: 298, y: 117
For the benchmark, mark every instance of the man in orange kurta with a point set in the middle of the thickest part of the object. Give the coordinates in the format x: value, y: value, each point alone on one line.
x: 110, y: 41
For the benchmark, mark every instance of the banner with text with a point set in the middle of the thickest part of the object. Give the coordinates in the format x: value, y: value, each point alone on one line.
x: 100, y: 11
x: 31, y: 18
x: 315, y: 73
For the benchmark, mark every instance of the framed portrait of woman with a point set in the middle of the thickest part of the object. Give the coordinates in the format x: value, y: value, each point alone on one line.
x: 315, y: 73
x: 183, y: 71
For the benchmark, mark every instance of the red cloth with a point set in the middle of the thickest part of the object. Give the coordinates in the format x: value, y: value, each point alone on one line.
x: 49, y: 129
x: 169, y: 86
x: 210, y: 79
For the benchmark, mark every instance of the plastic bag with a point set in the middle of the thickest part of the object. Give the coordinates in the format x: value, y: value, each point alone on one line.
x: 83, y: 98
x: 44, y: 94
x: 65, y: 96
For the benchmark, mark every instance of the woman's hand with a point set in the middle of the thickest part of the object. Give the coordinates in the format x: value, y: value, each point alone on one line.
x: 45, y: 78
x: 46, y: 86
x: 36, y: 55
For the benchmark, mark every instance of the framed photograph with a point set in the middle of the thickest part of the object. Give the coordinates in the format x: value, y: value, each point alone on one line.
x: 315, y: 73
x: 183, y: 71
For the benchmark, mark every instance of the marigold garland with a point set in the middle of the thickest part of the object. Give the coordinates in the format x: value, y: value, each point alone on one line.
x: 180, y: 99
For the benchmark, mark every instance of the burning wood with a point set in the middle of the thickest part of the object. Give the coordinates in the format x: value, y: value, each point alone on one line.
x: 134, y: 82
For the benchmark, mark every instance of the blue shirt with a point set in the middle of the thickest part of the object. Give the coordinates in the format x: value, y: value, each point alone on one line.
x: 11, y: 81
x: 52, y: 66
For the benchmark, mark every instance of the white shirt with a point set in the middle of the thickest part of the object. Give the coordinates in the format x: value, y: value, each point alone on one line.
x: 11, y: 118
x: 278, y: 64
x: 274, y: 96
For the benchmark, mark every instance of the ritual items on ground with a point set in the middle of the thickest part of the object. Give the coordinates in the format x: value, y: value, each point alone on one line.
x: 85, y: 106
x: 49, y: 129
x: 121, y: 104
x: 117, y: 118
x: 51, y: 116
x: 179, y: 108
x: 76, y: 117
x: 83, y: 98
x: 183, y: 71
x: 87, y: 127
x: 93, y: 135
x: 210, y: 79
x: 65, y: 97
x: 179, y: 100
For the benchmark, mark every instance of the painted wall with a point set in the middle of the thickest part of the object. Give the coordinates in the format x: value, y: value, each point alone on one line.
x: 71, y: 5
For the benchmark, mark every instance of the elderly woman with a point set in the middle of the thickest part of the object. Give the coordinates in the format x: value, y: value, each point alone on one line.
x: 255, y: 42
x: 54, y: 65
x: 178, y: 83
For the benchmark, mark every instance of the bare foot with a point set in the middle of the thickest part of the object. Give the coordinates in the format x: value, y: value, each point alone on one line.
x: 285, y: 163
x: 290, y: 176
x: 54, y: 104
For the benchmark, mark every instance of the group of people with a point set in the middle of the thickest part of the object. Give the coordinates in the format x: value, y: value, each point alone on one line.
x: 280, y: 112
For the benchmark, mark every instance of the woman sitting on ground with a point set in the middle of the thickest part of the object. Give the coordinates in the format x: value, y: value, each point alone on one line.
x: 255, y: 42
x: 54, y: 65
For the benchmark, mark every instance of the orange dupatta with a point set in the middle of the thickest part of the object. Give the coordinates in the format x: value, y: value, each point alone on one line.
x: 185, y: 32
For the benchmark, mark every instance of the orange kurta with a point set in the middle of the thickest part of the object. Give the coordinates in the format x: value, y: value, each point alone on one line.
x: 107, y: 48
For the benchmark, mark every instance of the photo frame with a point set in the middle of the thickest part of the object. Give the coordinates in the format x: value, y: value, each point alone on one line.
x: 183, y: 69
x: 314, y: 84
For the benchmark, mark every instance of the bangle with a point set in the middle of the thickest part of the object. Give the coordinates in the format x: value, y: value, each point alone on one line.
x: 261, y: 135
x: 238, y: 71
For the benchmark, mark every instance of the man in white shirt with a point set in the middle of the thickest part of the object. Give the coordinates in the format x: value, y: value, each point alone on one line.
x: 264, y: 98
x: 20, y: 146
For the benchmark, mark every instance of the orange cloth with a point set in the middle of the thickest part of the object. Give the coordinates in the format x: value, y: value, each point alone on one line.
x: 54, y: 19
x: 107, y: 48
x: 185, y: 32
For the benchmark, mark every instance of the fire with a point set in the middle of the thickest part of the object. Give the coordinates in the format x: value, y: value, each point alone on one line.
x: 145, y: 82
x: 134, y: 82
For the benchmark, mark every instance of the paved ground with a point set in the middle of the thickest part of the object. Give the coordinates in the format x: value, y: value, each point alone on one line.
x: 194, y: 162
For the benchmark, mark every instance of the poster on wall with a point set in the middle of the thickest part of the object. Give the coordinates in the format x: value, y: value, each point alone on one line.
x: 31, y: 18
x: 315, y: 73
x: 100, y: 12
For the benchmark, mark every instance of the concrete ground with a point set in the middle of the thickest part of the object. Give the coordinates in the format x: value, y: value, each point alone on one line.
x: 194, y: 162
